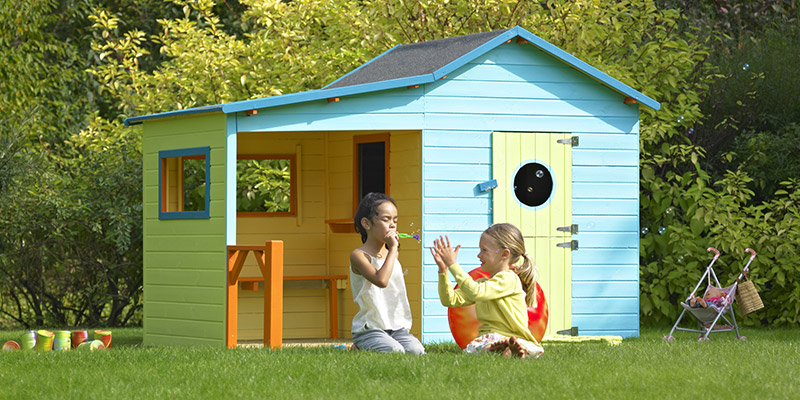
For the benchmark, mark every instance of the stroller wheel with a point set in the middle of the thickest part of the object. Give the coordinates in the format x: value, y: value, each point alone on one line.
x: 669, y: 338
x: 742, y: 338
x: 703, y: 339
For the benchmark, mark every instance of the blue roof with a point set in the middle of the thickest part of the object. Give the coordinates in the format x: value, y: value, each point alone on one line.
x: 415, y: 64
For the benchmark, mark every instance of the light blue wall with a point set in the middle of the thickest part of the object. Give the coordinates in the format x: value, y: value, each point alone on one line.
x: 518, y: 88
x: 511, y: 88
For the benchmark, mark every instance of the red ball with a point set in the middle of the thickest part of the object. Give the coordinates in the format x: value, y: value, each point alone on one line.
x: 464, y: 322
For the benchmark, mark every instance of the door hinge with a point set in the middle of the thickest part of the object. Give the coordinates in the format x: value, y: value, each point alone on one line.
x: 572, y: 229
x: 573, y: 141
x: 572, y: 245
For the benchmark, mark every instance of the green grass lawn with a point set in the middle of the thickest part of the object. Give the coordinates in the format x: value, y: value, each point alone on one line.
x: 767, y: 366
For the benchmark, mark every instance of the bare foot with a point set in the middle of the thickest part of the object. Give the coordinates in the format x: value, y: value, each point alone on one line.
x: 352, y: 347
x: 517, y: 349
x: 498, y: 347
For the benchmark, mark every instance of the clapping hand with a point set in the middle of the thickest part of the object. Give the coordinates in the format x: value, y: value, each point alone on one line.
x: 444, y: 254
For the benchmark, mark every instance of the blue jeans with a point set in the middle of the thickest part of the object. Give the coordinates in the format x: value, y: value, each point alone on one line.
x: 400, y: 341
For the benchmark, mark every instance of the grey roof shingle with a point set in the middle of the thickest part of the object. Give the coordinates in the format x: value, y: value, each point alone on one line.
x: 415, y: 59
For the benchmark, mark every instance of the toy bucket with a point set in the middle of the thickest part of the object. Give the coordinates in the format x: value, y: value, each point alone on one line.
x: 10, y: 346
x: 103, y: 336
x: 79, y: 337
x: 44, y: 340
x: 28, y: 340
x: 62, y: 341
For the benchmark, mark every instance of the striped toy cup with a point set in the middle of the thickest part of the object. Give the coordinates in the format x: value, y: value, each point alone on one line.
x: 44, y: 340
x: 91, y: 345
x: 62, y: 341
x: 28, y: 340
x: 79, y: 337
x: 103, y: 336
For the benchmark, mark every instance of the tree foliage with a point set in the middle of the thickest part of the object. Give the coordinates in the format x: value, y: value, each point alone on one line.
x: 71, y: 223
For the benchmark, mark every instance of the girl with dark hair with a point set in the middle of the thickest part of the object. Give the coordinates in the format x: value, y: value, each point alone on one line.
x: 383, y: 320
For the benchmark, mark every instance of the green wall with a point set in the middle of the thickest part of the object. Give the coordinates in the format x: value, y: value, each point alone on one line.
x: 184, y: 259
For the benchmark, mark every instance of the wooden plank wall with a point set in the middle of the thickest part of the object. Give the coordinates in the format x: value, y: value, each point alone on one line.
x: 304, y: 236
x: 518, y: 88
x: 326, y: 169
x: 184, y: 260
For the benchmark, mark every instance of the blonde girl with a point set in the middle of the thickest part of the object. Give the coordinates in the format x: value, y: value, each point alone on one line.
x: 501, y: 301
x: 383, y: 320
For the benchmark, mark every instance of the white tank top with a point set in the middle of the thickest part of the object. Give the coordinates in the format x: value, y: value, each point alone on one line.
x: 385, y: 309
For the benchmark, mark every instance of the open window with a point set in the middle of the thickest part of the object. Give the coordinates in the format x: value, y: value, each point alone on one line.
x: 370, y: 166
x: 183, y: 184
x: 266, y: 185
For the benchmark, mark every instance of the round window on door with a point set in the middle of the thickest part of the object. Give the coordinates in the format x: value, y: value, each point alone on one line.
x: 533, y: 184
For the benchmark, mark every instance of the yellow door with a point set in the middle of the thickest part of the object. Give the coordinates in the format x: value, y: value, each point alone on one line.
x: 534, y: 192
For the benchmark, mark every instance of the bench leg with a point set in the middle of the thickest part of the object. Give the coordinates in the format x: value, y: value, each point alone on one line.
x: 334, y: 308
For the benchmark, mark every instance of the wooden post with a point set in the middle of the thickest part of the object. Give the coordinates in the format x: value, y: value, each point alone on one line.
x: 334, y: 308
x: 272, y: 269
x: 235, y: 264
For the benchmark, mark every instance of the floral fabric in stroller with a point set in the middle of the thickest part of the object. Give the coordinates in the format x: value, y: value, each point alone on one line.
x: 709, y: 313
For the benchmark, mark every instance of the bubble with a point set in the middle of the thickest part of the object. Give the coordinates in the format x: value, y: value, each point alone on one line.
x: 669, y: 210
x: 680, y: 259
x: 539, y: 173
x: 680, y: 119
x: 515, y: 187
x: 530, y: 189
x: 411, y: 224
x: 662, y: 230
x: 690, y: 131
x: 745, y: 67
x: 645, y: 230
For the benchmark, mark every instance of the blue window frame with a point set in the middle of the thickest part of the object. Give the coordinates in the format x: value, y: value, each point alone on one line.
x: 184, y: 187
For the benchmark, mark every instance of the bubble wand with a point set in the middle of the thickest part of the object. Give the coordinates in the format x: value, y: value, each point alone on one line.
x: 407, y: 236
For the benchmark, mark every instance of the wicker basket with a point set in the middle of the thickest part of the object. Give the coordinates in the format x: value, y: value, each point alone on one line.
x: 748, y: 298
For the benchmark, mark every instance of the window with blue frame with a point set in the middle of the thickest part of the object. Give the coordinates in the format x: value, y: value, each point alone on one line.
x: 183, y: 184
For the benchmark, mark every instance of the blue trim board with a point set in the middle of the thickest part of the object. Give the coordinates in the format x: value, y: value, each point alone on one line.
x: 197, y: 110
x: 586, y: 68
x: 230, y: 178
x: 318, y: 94
x: 193, y: 151
x: 477, y: 52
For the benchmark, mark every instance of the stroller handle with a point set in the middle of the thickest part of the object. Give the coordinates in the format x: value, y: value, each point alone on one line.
x: 751, y: 251
x: 716, y: 252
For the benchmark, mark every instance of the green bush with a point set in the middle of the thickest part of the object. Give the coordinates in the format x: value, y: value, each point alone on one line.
x: 674, y: 258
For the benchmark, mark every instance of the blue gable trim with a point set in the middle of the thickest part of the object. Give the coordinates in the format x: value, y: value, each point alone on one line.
x: 587, y: 69
x: 323, y: 93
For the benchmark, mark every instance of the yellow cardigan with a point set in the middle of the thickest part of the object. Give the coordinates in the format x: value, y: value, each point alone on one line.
x: 499, y: 301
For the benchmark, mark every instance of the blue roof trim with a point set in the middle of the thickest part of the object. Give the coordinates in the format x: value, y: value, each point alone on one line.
x: 362, y: 66
x: 582, y: 66
x: 477, y: 52
x: 319, y: 94
x: 197, y: 110
x: 324, y: 93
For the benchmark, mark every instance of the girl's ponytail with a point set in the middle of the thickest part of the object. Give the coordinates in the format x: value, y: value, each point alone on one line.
x: 528, y: 275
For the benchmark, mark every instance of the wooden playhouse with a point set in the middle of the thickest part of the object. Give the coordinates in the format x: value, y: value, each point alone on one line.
x: 462, y: 132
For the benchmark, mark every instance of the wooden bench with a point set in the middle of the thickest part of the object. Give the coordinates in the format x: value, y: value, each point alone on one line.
x: 251, y: 283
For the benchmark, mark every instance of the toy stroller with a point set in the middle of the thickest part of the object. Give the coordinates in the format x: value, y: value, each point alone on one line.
x: 708, y: 314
